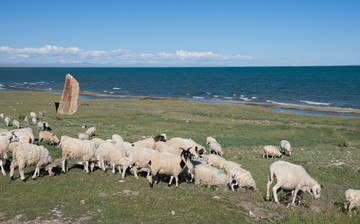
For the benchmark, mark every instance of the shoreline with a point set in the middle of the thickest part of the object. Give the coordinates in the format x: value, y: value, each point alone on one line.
x: 335, y: 110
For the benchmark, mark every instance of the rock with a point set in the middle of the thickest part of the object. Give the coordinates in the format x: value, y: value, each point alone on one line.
x: 68, y: 104
x: 216, y: 197
x: 103, y: 194
x: 172, y: 213
x: 82, y: 202
x: 251, y: 214
x: 19, y: 216
x: 121, y: 181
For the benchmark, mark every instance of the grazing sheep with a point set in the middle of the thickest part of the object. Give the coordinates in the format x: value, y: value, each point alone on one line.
x: 150, y: 142
x: 97, y: 141
x: 16, y: 124
x: 91, y: 131
x: 27, y: 155
x: 270, y: 150
x: 83, y: 136
x: 290, y: 177
x: 5, y: 139
x: 285, y: 147
x: 33, y: 115
x: 54, y: 164
x: 215, y: 161
x: 25, y: 135
x: 44, y: 126
x: 7, y: 121
x: 214, y: 146
x: 34, y: 120
x: 164, y: 147
x: 26, y: 120
x: 48, y: 136
x: 110, y: 152
x: 80, y: 150
x: 140, y: 157
x: 243, y: 177
x: 211, y: 176
x: 2, y: 115
x: 228, y: 165
x: 187, y: 143
x: 169, y: 164
x: 352, y: 199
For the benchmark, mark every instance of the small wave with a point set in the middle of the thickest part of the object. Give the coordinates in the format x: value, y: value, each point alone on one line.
x: 275, y: 102
x: 198, y: 97
x: 254, y: 97
x: 244, y: 98
x: 105, y: 91
x: 216, y: 96
x: 228, y: 98
x: 116, y: 88
x: 111, y: 92
x: 314, y: 103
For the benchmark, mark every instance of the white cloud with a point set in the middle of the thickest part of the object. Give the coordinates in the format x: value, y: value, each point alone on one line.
x: 55, y: 55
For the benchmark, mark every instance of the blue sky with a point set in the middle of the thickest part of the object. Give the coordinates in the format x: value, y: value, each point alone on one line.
x: 179, y: 33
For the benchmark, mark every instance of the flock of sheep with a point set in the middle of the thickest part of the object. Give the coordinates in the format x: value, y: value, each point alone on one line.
x: 177, y: 158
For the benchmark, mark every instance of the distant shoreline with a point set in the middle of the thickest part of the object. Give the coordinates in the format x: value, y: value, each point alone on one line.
x: 234, y: 102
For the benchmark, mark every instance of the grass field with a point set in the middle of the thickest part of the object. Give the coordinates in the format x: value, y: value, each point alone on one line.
x: 318, y: 144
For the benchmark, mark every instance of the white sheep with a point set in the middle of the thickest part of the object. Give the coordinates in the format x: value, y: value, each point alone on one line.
x: 97, y: 141
x: 228, y: 165
x: 212, y: 176
x: 150, y: 141
x: 214, y: 146
x: 44, y: 126
x: 169, y: 164
x: 187, y: 143
x: 2, y: 115
x: 33, y: 115
x: 285, y: 147
x: 215, y: 161
x: 270, y: 150
x: 5, y: 139
x: 164, y: 147
x: 7, y: 121
x: 243, y: 177
x: 140, y: 157
x: 290, y: 177
x: 125, y: 147
x: 26, y: 120
x: 91, y: 131
x: 27, y: 155
x: 48, y: 136
x: 25, y: 135
x: 16, y: 124
x: 83, y: 136
x: 110, y: 152
x: 352, y: 199
x: 34, y: 120
x: 80, y: 150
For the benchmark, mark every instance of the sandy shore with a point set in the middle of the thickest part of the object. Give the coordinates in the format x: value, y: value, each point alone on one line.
x: 266, y: 105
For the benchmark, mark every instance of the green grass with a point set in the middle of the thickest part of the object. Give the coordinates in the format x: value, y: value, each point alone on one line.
x: 327, y: 147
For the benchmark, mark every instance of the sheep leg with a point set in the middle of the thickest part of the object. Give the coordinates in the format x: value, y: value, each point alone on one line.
x: 21, y: 170
x: 36, y: 171
x: 113, y: 168
x: 177, y: 181
x: 295, y: 194
x: 275, y: 188
x: 103, y: 165
x: 150, y: 180
x: 171, y: 179
x: 135, y: 172
x: 351, y: 206
x: 12, y: 167
x: 92, y: 166
x: 63, y: 164
x: 268, y: 189
x: 123, y: 172
x: 86, y: 166
x: 2, y: 168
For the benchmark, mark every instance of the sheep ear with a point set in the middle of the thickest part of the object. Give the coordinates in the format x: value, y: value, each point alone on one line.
x: 52, y: 134
x: 322, y: 186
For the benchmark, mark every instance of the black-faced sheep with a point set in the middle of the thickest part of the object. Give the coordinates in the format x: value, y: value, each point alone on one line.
x: 150, y: 142
x: 91, y: 131
x: 186, y: 143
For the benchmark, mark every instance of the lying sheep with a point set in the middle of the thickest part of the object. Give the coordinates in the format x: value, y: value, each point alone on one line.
x: 216, y: 161
x: 26, y: 120
x: 25, y: 135
x: 243, y: 177
x: 228, y: 165
x: 186, y: 143
x: 48, y: 136
x: 285, y: 147
x: 110, y: 152
x: 27, y: 155
x: 211, y: 176
x: 169, y: 164
x: 7, y: 121
x: 270, y: 150
x: 44, y: 126
x: 80, y: 150
x: 290, y: 177
x: 91, y: 131
x: 150, y: 142
x: 16, y: 124
x: 352, y: 199
x: 83, y: 136
x: 5, y: 139
x: 214, y: 146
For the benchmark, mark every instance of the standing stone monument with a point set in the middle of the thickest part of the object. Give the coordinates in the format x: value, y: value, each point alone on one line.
x: 68, y: 104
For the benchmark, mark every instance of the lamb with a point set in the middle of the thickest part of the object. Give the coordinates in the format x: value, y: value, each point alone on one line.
x: 270, y: 150
x: 91, y: 131
x: 169, y: 164
x: 25, y: 135
x: 285, y: 147
x: 26, y: 120
x: 352, y: 199
x: 80, y: 150
x: 110, y: 152
x: 289, y: 176
x: 215, y: 161
x: 27, y: 155
x: 48, y: 136
x: 149, y: 142
x: 243, y: 177
x: 214, y: 146
x: 5, y: 140
x: 16, y: 124
x: 44, y: 126
x: 211, y: 176
x: 97, y: 141
x: 34, y: 120
x: 83, y: 136
x: 54, y: 164
x: 187, y: 143
x: 7, y: 121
